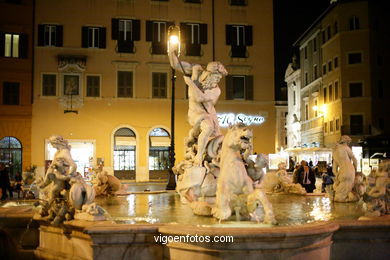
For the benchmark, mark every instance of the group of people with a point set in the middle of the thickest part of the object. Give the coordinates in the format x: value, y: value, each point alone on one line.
x: 304, y: 175
x: 5, y: 183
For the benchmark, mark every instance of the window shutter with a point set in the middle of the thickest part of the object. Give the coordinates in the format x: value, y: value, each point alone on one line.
x: 84, y: 37
x: 229, y: 87
x: 2, y: 43
x: 102, y: 37
x: 59, y: 35
x: 23, y: 46
x: 249, y: 87
x: 248, y: 35
x: 229, y: 34
x: 114, y: 28
x: 136, y: 30
x: 203, y: 33
x: 41, y: 33
x: 184, y: 32
x: 149, y: 31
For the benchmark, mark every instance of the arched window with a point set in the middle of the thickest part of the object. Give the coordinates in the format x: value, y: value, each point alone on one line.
x: 11, y: 154
x: 124, y: 153
x: 159, y: 144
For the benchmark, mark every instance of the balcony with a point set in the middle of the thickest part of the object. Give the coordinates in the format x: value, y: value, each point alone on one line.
x: 312, y: 124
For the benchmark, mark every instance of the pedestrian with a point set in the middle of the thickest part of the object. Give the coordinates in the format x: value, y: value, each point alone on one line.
x: 306, y: 177
x: 4, y: 182
x: 18, y: 184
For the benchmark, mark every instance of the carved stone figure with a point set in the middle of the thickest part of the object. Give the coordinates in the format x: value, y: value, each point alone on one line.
x: 64, y: 190
x: 234, y: 185
x: 377, y: 196
x: 203, y: 94
x: 106, y: 184
x: 278, y: 181
x: 344, y: 171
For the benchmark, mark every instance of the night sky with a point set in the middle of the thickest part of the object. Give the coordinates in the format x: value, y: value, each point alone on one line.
x: 291, y: 19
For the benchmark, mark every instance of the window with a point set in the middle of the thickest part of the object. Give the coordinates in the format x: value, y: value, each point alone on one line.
x: 326, y: 127
x: 336, y: 90
x: 11, y: 154
x: 336, y: 62
x: 238, y: 2
x: 13, y: 45
x: 328, y: 32
x: 381, y: 123
x: 323, y: 36
x: 306, y: 78
x: 126, y: 31
x: 50, y: 35
x: 194, y: 34
x: 93, y: 37
x: 125, y: 84
x: 337, y: 124
x: 380, y: 89
x: 335, y: 27
x: 329, y: 66
x: 356, y: 89
x: 93, y: 86
x: 159, y: 84
x: 305, y: 52
x: 379, y: 60
x: 11, y: 93
x: 124, y: 150
x: 331, y: 126
x: 315, y: 70
x: 306, y: 111
x: 159, y: 141
x: 316, y: 107
x: 330, y: 91
x: 356, y: 124
x: 325, y: 96
x: 323, y: 69
x: 49, y: 85
x: 354, y: 23
x: 239, y: 87
x: 156, y: 32
x: 239, y: 37
x: 315, y: 44
x: 354, y: 58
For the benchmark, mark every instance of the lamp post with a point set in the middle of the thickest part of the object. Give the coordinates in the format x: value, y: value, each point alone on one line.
x: 173, y: 41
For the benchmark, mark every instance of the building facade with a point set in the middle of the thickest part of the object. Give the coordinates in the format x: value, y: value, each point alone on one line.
x: 16, y: 67
x: 103, y: 80
x: 342, y: 64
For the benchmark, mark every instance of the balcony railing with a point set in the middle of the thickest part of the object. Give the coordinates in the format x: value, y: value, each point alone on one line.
x: 311, y: 123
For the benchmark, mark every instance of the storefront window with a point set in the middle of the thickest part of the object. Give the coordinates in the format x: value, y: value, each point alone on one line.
x: 11, y: 154
x: 124, y: 150
x: 159, y: 149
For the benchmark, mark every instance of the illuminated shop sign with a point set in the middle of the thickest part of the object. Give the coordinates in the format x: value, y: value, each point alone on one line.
x: 230, y: 119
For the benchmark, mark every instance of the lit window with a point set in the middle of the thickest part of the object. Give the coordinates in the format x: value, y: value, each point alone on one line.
x: 11, y: 48
x: 156, y: 32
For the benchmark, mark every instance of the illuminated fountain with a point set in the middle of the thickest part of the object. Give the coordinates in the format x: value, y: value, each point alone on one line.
x: 216, y: 178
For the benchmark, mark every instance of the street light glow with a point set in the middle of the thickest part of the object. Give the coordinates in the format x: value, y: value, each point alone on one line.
x: 173, y: 39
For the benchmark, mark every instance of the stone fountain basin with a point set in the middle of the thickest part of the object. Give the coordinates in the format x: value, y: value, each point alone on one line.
x: 313, y: 228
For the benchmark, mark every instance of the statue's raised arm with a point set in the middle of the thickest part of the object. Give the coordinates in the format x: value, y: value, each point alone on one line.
x: 182, y: 66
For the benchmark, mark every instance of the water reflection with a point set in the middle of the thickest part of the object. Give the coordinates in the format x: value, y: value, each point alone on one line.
x: 166, y: 208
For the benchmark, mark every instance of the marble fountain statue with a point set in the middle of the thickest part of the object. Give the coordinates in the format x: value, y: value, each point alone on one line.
x: 218, y: 184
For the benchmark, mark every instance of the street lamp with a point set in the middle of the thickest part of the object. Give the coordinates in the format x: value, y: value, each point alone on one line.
x: 173, y: 43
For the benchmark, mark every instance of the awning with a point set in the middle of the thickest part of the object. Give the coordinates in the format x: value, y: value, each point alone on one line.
x: 125, y: 141
x: 164, y: 141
